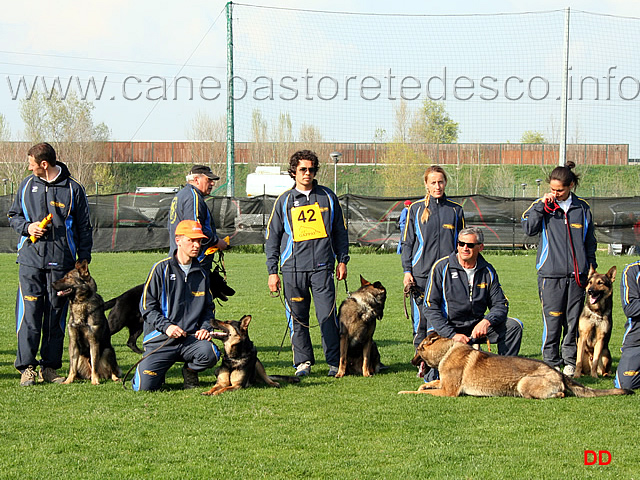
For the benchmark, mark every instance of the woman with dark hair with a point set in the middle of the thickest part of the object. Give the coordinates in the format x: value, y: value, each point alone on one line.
x: 431, y: 233
x: 566, y: 251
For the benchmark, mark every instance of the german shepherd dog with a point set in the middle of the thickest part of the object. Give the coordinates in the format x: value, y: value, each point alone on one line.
x: 240, y: 366
x: 466, y: 371
x: 91, y: 355
x: 125, y: 309
x: 358, y: 314
x: 595, y: 324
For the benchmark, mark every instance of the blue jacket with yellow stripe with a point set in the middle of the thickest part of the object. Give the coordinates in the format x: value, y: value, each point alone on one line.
x: 171, y: 298
x: 630, y: 296
x: 69, y: 237
x: 452, y: 306
x: 318, y: 251
x: 555, y: 259
x: 424, y: 243
x: 189, y: 204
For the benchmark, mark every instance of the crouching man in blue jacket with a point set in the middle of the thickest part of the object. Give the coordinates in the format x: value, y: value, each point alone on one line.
x: 460, y: 290
x: 176, y: 303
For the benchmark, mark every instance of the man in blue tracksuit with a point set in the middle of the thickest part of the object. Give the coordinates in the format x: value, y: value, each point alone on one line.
x: 628, y: 373
x: 189, y: 204
x: 305, y: 235
x: 566, y: 251
x: 176, y: 304
x: 464, y: 299
x: 46, y: 254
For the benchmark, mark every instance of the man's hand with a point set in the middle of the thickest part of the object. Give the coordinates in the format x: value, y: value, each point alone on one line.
x: 174, y: 331
x: 481, y: 329
x: 203, y: 334
x: 408, y: 280
x: 459, y: 337
x: 35, y: 230
x: 341, y: 271
x: 274, y: 282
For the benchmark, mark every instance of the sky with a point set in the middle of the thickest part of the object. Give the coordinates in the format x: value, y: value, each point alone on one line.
x: 128, y: 48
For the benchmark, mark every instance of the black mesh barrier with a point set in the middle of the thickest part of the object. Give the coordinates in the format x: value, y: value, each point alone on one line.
x: 138, y: 221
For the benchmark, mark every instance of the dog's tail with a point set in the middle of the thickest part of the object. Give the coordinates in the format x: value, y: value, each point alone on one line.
x: 284, y: 378
x: 109, y: 305
x: 580, y: 390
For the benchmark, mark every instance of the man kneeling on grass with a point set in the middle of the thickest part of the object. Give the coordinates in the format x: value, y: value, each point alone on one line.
x: 176, y: 304
x: 464, y: 299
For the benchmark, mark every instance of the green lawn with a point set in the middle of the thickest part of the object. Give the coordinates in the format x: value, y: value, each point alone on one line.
x: 321, y: 428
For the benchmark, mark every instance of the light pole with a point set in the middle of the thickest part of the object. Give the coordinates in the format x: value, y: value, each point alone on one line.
x: 335, y: 156
x: 524, y: 186
x: 538, y: 182
x: 5, y: 180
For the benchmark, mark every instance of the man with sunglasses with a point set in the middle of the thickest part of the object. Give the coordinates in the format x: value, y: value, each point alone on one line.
x: 464, y: 299
x: 306, y: 235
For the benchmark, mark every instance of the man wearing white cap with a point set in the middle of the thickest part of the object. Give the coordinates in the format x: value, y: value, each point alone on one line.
x: 189, y: 204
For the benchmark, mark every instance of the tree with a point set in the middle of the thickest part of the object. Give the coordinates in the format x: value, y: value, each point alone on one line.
x: 531, y: 136
x: 210, y: 133
x: 68, y: 125
x: 402, y: 119
x: 310, y: 134
x: 432, y: 124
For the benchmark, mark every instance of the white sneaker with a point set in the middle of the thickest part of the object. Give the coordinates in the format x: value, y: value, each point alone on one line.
x: 569, y: 370
x: 303, y: 369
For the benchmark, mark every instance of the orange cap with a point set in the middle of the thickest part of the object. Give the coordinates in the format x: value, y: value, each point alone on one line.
x: 191, y: 229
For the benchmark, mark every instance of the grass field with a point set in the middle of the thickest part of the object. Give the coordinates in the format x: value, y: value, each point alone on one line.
x: 321, y: 428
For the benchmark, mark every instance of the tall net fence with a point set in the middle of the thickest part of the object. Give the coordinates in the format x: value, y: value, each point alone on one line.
x: 311, y: 76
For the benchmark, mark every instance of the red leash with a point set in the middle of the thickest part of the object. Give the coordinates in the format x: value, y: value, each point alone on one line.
x: 551, y: 207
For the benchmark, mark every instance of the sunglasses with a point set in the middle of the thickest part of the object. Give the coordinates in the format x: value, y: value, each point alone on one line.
x: 311, y: 170
x: 468, y: 244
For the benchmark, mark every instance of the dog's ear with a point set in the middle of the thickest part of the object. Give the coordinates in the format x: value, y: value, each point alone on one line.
x: 83, y: 268
x: 245, y: 321
x: 612, y: 273
x: 363, y: 282
x: 591, y: 271
x: 432, y: 337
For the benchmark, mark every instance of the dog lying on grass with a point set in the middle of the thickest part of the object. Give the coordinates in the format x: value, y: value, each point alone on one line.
x: 466, y: 371
x: 240, y: 366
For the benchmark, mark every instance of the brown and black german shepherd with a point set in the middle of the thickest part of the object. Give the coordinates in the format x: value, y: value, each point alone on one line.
x: 466, y: 371
x: 125, y: 309
x: 595, y: 325
x: 91, y: 355
x: 240, y: 366
x: 358, y: 314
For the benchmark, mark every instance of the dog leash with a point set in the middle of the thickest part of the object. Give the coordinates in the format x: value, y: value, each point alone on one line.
x: 552, y: 207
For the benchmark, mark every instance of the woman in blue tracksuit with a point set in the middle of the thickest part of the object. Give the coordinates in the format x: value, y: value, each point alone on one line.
x: 431, y: 233
x: 566, y: 251
x: 628, y: 373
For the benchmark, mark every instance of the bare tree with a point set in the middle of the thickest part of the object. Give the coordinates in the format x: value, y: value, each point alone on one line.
x: 402, y: 122
x: 210, y: 133
x: 283, y: 138
x: 68, y: 125
x: 13, y: 161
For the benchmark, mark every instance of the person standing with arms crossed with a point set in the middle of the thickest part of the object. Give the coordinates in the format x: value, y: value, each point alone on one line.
x: 306, y: 234
x: 431, y: 232
x: 566, y: 251
x: 45, y: 254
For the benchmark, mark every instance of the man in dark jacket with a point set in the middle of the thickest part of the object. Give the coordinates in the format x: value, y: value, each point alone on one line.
x: 464, y: 299
x: 189, y: 204
x: 306, y: 234
x: 46, y: 252
x: 176, y: 304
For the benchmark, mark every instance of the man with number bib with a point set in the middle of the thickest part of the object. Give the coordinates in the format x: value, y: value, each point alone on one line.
x: 306, y: 234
